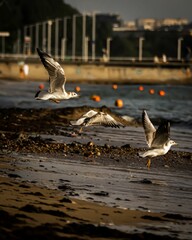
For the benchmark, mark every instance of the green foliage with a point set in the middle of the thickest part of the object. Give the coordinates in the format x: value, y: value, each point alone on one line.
x: 14, y: 14
x: 156, y: 43
x: 124, y: 46
x: 17, y: 13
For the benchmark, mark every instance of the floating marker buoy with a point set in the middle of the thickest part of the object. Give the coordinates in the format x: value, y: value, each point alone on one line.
x: 115, y: 86
x: 141, y: 88
x: 41, y: 86
x: 151, y: 91
x: 77, y: 89
x: 119, y: 103
x: 96, y: 98
x: 161, y: 93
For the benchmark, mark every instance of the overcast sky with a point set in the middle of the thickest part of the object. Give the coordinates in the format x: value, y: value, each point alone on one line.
x: 132, y: 9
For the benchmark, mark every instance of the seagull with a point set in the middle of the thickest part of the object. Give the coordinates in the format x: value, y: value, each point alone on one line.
x: 57, y: 80
x: 95, y: 118
x: 157, y: 140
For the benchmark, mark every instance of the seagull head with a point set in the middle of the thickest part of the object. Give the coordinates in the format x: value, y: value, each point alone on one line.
x: 168, y: 144
x: 73, y: 95
x: 171, y: 143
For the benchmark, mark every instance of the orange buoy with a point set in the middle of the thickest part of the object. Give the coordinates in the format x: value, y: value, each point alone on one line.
x: 161, y: 93
x: 115, y: 86
x: 77, y: 89
x: 141, y: 88
x: 96, y: 98
x: 151, y: 91
x: 41, y: 86
x: 119, y: 103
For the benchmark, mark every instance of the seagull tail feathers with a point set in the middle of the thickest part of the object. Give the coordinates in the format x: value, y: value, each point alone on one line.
x: 73, y: 123
x: 142, y: 154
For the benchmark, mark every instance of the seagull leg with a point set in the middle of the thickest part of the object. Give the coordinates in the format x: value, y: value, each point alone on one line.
x: 54, y: 100
x: 80, y: 130
x: 148, y: 164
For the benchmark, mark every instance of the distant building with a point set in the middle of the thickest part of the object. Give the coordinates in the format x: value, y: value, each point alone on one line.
x: 146, y: 24
x: 171, y: 22
x: 127, y: 26
x: 151, y: 24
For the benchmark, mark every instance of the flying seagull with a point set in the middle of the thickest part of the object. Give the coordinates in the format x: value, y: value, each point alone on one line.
x: 158, y: 140
x: 96, y: 118
x: 57, y: 80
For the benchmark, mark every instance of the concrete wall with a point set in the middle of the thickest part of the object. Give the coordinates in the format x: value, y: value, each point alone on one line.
x: 100, y: 73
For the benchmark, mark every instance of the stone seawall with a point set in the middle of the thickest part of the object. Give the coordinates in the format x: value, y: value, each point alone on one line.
x: 101, y: 73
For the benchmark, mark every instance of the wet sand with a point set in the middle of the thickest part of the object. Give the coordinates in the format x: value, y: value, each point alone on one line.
x: 46, y: 170
x: 29, y: 211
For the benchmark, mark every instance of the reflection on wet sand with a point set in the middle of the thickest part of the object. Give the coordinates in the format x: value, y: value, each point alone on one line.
x: 124, y: 198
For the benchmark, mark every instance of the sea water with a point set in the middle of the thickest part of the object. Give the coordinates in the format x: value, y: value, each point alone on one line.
x: 175, y: 106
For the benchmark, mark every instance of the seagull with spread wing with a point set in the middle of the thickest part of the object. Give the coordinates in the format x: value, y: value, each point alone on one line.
x: 57, y: 80
x: 158, y: 140
x: 96, y: 118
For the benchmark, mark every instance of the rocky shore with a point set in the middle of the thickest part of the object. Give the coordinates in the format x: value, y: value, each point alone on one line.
x: 31, y: 211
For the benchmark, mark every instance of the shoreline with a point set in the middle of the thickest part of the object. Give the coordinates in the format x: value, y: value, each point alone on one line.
x: 44, y: 179
x: 30, y: 209
x: 48, y: 131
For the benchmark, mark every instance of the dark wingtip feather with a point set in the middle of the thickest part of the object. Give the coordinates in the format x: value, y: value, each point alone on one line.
x: 40, y: 51
x: 42, y: 54
x: 144, y: 114
x: 164, y: 128
x: 37, y: 94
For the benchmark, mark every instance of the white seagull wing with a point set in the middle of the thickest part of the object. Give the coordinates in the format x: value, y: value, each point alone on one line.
x: 162, y: 135
x: 82, y: 119
x: 90, y: 113
x: 78, y: 122
x: 149, y: 129
x: 103, y: 119
x: 56, y: 73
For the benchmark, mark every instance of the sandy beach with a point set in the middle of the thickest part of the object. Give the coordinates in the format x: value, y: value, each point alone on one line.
x: 59, y: 184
